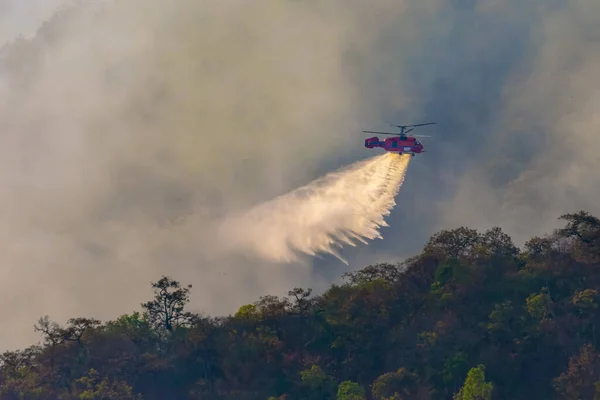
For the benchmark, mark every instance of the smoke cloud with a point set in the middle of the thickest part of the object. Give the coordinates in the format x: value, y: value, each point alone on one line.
x: 543, y: 140
x: 130, y: 129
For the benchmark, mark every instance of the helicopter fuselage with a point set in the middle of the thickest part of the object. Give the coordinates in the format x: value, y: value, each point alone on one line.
x: 400, y: 144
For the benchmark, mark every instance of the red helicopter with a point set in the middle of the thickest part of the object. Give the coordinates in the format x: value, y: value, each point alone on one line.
x: 401, y: 144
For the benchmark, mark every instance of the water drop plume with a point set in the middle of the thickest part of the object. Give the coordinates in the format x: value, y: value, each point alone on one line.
x: 342, y: 207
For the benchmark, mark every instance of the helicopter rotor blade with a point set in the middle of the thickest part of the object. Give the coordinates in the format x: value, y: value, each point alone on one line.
x: 383, y: 133
x: 427, y: 123
x: 415, y: 125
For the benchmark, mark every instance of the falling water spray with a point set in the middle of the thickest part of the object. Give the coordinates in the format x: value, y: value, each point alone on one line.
x: 340, y: 208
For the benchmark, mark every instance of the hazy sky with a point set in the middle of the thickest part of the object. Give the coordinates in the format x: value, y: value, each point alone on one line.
x: 24, y: 17
x: 129, y: 130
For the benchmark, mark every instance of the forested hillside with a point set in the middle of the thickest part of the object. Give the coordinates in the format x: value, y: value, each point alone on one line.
x: 471, y: 317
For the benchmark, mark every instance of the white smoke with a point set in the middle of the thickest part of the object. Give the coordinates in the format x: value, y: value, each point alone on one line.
x: 117, y: 123
x: 339, y: 208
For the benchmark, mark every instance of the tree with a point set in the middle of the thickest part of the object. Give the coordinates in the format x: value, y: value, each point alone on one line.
x: 385, y: 271
x: 537, y: 248
x: 496, y: 243
x: 53, y: 336
x: 51, y: 331
x: 272, y: 306
x: 18, y: 377
x: 581, y: 379
x: 581, y: 225
x: 539, y: 305
x: 585, y: 228
x: 448, y: 276
x: 301, y: 300
x: 475, y: 386
x: 94, y: 388
x: 77, y: 328
x: 321, y: 385
x: 247, y: 311
x: 349, y: 390
x: 454, y: 368
x: 455, y: 243
x: 401, y: 384
x: 410, y: 331
x: 167, y: 309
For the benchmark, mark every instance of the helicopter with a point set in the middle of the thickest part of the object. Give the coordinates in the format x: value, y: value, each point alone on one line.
x: 401, y: 144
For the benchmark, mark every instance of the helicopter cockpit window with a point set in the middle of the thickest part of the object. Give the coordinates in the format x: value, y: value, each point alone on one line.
x: 417, y: 142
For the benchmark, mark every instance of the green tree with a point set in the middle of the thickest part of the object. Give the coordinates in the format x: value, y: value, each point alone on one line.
x: 475, y: 386
x: 321, y: 385
x: 455, y: 367
x: 135, y: 326
x: 247, y: 311
x: 19, y: 378
x: 539, y: 305
x: 349, y: 390
x: 94, y: 388
x: 398, y: 385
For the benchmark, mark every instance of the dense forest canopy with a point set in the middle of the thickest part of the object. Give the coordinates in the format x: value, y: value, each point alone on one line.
x: 470, y: 317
